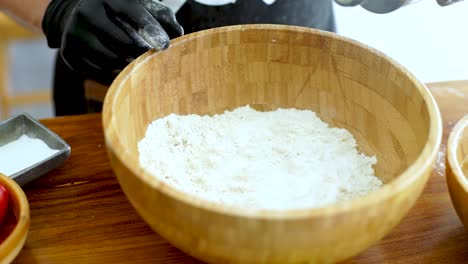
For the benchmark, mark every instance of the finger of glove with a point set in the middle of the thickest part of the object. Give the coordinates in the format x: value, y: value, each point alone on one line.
x: 143, y: 23
x: 78, y: 63
x: 165, y: 16
x: 116, y: 36
x: 152, y: 34
x: 88, y: 44
x: 89, y: 69
x: 92, y: 59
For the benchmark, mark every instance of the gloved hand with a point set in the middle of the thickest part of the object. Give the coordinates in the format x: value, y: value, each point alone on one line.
x: 98, y: 38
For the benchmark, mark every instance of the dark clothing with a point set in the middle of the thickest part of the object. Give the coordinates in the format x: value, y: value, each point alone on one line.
x: 308, y: 13
x: 68, y: 86
x: 68, y: 90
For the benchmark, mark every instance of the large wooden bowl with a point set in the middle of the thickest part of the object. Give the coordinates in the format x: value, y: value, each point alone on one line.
x: 391, y: 114
x: 457, y: 169
x: 14, y: 228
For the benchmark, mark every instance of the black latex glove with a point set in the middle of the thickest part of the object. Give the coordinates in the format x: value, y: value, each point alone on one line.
x: 98, y: 38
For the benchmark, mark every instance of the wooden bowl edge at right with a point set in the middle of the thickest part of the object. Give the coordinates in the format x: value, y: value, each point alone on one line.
x: 456, y: 180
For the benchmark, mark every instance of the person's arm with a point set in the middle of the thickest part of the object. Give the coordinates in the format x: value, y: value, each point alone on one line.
x: 98, y: 38
x: 28, y: 12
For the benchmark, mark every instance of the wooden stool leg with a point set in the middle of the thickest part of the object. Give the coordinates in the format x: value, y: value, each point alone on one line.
x: 4, y: 82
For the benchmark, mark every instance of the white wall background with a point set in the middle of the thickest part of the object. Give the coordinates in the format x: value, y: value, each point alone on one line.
x: 431, y: 41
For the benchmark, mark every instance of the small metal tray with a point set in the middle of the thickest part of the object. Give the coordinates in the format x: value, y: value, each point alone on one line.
x: 24, y: 124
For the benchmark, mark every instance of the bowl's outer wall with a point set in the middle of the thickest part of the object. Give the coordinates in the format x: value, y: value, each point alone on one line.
x: 389, y: 112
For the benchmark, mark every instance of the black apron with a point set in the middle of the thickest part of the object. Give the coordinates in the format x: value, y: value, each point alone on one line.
x: 68, y: 86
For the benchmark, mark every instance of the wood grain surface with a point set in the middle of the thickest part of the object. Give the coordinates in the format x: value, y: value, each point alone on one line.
x: 80, y: 215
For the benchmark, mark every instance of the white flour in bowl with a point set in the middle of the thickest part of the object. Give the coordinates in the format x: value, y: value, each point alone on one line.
x: 283, y: 159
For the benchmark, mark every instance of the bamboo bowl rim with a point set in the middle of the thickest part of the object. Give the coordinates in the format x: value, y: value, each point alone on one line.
x: 454, y: 142
x: 423, y: 162
x: 12, y: 245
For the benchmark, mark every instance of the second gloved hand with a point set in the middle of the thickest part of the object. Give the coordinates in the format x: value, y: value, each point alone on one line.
x: 98, y: 38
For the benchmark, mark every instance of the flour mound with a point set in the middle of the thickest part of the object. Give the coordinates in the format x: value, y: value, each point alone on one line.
x: 282, y: 159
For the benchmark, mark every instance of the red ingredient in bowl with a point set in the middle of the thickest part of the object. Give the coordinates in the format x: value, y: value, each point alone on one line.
x: 8, y: 219
x: 4, y: 199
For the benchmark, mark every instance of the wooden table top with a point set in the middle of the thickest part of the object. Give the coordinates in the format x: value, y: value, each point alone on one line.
x: 80, y: 215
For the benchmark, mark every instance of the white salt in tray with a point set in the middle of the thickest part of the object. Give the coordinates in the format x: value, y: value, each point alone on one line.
x: 28, y: 149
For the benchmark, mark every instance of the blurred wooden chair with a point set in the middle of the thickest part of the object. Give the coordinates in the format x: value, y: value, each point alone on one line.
x: 12, y: 31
